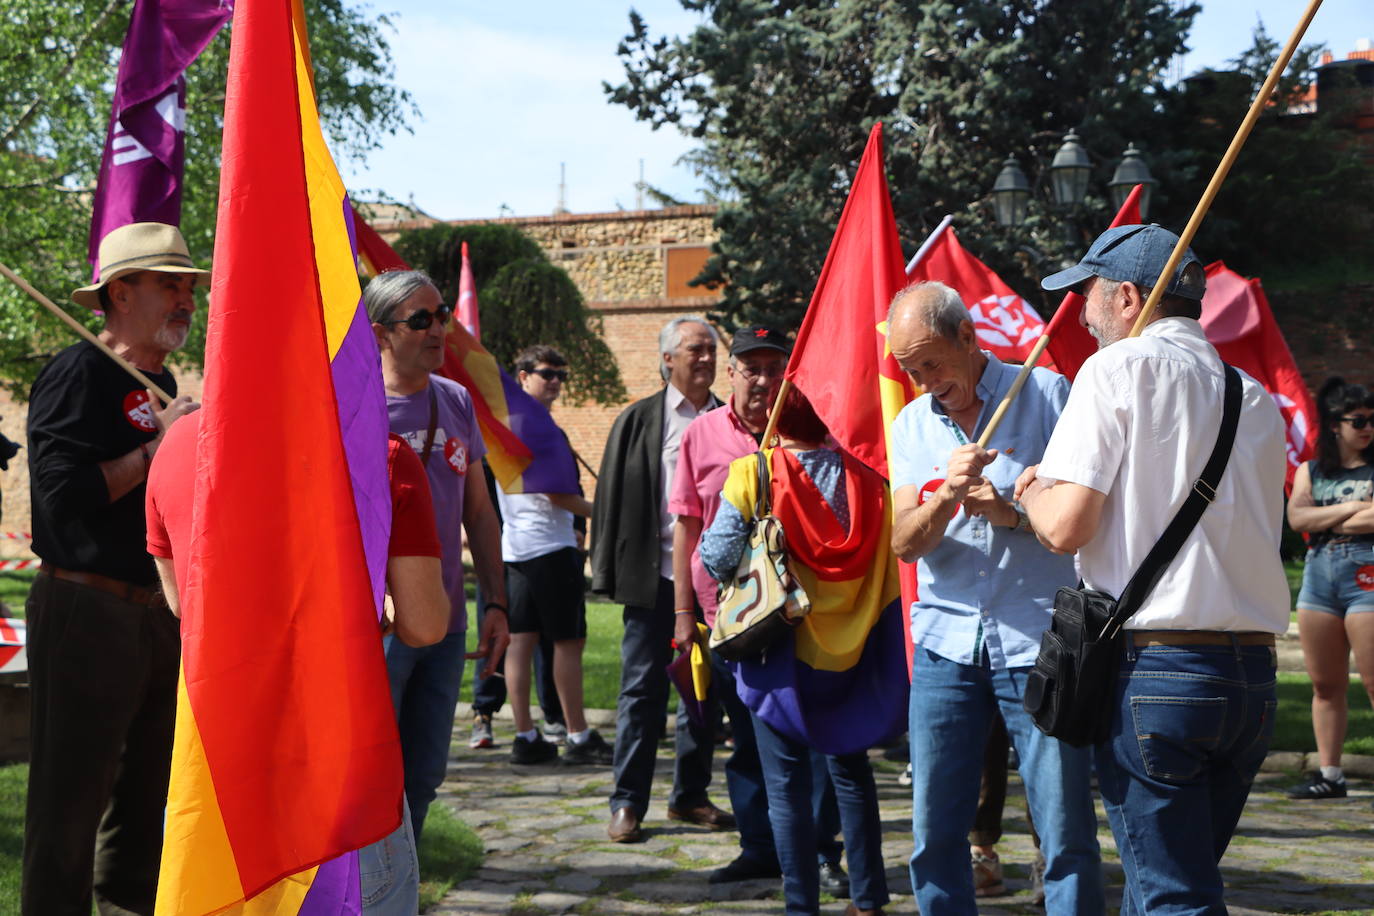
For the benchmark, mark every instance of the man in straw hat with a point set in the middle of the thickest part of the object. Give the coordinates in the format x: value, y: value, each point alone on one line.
x: 103, y: 647
x: 1193, y: 707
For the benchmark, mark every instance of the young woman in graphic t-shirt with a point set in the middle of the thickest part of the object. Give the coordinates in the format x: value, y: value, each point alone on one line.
x: 1333, y: 504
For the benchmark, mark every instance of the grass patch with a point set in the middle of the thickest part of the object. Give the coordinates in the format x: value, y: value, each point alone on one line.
x: 14, y: 589
x: 600, y: 659
x: 449, y: 853
x: 1293, y: 725
x: 14, y: 786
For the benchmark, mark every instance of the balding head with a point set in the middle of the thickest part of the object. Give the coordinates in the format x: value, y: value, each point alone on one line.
x: 930, y: 333
x: 932, y: 306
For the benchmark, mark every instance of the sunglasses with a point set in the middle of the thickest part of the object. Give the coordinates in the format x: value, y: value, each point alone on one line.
x: 549, y: 375
x: 1358, y: 422
x: 421, y: 320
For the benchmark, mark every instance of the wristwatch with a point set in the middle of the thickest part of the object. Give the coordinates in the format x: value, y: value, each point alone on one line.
x: 1022, y: 519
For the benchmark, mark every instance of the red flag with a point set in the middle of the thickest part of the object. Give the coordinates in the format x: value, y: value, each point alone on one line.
x: 1239, y: 323
x: 466, y: 307
x: 377, y: 256
x: 1007, y: 325
x: 849, y: 376
x: 1070, y: 343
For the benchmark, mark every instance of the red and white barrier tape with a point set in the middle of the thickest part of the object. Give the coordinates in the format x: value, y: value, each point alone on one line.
x: 16, y: 536
x: 9, y: 565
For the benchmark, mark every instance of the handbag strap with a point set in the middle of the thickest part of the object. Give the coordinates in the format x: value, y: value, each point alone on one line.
x: 1204, y: 490
x: 763, y: 498
x: 433, y: 424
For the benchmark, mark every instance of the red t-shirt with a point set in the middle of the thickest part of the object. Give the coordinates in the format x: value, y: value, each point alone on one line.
x: 413, y: 533
x: 171, y: 492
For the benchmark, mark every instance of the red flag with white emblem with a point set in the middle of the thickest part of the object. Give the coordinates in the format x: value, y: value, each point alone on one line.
x: 1006, y: 324
x: 1240, y: 324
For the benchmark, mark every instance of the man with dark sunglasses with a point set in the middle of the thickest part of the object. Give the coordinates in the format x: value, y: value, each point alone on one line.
x: 435, y: 415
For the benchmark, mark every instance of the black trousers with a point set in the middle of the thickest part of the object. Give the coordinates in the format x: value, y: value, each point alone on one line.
x: 489, y: 693
x: 103, y: 679
x: 645, y: 651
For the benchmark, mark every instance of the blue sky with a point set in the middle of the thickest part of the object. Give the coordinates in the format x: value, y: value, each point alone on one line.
x: 507, y: 91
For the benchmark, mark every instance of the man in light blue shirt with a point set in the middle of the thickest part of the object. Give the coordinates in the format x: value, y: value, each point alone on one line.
x: 986, y: 589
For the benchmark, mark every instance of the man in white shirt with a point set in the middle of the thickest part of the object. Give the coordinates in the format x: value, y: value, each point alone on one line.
x: 1194, y: 703
x: 545, y: 589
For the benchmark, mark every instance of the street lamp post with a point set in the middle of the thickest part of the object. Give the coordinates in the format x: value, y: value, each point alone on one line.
x: 1069, y: 173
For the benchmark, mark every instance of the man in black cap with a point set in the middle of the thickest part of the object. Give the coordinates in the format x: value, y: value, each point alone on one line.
x: 1194, y: 706
x: 758, y: 357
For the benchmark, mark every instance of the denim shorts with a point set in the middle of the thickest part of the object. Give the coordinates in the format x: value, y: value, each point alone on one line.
x: 1339, y: 578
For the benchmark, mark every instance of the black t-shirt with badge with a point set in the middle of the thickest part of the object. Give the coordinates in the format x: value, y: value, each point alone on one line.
x: 85, y: 409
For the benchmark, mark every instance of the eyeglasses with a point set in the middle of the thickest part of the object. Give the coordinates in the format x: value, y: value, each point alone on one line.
x: 1358, y: 422
x: 549, y: 375
x: 766, y: 371
x: 422, y: 319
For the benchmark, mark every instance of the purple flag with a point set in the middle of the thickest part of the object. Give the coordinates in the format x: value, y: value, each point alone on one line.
x: 140, y: 172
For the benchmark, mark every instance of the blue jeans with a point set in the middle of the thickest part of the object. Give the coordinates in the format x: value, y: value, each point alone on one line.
x: 743, y: 770
x: 826, y: 812
x: 950, y: 714
x: 645, y: 651
x: 787, y: 773
x: 389, y: 873
x: 1192, y: 729
x: 424, y: 689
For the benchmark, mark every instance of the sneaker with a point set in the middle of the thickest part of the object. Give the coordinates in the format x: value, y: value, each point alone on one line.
x: 1037, y: 879
x: 1318, y: 787
x: 987, y: 876
x: 834, y: 881
x: 593, y: 751
x: 555, y: 732
x: 525, y: 752
x: 481, y: 732
x: 905, y: 778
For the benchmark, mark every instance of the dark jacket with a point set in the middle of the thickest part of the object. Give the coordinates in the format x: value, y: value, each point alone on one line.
x: 625, y: 526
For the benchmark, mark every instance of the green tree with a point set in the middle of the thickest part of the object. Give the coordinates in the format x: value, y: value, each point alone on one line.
x: 57, y: 69
x: 522, y: 299
x: 1298, y: 188
x: 781, y: 97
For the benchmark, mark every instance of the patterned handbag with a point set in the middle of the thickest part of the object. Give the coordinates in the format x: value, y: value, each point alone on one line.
x: 763, y: 600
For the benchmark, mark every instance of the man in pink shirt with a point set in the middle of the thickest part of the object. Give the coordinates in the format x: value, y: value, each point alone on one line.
x: 758, y: 357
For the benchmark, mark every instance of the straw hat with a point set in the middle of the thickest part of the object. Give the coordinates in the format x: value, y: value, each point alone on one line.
x: 139, y: 246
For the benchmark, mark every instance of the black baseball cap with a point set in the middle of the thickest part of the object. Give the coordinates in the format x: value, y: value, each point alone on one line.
x: 757, y: 337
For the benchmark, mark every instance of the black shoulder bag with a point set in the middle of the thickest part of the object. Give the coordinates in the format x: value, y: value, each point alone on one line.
x: 1070, y: 692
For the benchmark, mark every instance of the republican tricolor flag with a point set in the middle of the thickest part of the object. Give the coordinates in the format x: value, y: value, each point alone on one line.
x: 286, y: 756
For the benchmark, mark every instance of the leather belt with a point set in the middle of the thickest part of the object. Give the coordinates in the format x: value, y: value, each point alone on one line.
x: 1142, y: 638
x: 125, y: 591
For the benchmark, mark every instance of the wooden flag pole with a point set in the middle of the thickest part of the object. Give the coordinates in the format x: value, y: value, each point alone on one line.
x: 1242, y: 134
x: 1238, y: 141
x: 773, y: 414
x: 1014, y: 390
x: 85, y: 332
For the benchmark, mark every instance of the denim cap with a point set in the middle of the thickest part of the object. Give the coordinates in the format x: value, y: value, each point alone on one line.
x: 1135, y: 254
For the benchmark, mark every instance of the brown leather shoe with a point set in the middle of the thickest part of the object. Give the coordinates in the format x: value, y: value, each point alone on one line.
x: 704, y: 815
x: 852, y: 910
x: 624, y: 826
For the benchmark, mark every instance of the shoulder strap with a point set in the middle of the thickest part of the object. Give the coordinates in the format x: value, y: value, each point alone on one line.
x: 763, y: 498
x: 433, y: 424
x: 1199, y: 498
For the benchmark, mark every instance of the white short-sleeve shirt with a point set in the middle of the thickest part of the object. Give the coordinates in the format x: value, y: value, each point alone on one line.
x: 1141, y: 420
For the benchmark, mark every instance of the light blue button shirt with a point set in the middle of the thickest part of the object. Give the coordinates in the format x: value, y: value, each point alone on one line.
x: 983, y: 585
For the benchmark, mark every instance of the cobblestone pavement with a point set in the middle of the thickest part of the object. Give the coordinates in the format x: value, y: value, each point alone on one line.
x: 544, y: 829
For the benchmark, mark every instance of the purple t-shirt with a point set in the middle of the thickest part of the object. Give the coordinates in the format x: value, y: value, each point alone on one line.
x: 457, y: 447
